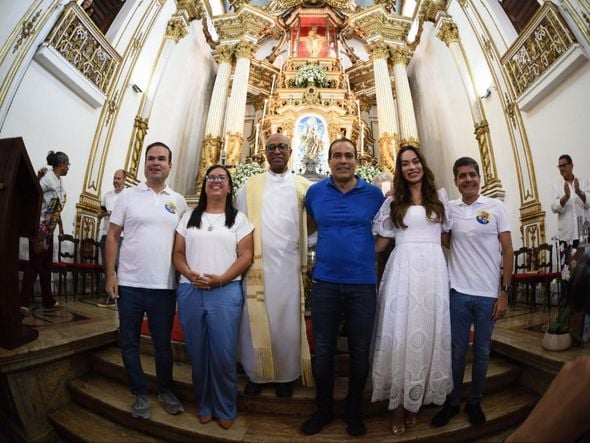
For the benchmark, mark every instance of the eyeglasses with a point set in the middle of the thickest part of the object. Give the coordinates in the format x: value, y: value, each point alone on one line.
x: 216, y: 178
x: 282, y: 147
x: 563, y: 165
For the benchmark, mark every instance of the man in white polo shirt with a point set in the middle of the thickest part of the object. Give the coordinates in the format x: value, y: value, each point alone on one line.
x: 481, y: 253
x: 145, y: 281
x: 107, y: 203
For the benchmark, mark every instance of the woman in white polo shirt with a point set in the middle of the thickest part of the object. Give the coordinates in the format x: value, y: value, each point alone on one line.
x: 213, y: 248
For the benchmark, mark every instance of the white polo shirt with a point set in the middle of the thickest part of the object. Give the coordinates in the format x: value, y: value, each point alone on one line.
x: 108, y: 201
x: 149, y: 220
x: 476, y: 257
x: 212, y: 251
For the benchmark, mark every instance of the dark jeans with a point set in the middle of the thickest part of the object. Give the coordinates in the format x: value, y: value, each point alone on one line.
x: 160, y: 306
x: 329, y: 302
x: 466, y: 308
x: 38, y: 264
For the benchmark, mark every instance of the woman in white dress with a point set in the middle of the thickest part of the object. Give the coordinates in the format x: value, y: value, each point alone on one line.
x: 412, y: 358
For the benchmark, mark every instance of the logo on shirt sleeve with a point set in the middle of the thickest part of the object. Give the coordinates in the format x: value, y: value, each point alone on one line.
x: 483, y: 217
x: 170, y: 207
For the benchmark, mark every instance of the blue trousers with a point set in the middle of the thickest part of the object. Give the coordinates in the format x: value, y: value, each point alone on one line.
x: 210, y: 320
x: 160, y: 305
x: 464, y: 309
x: 329, y: 302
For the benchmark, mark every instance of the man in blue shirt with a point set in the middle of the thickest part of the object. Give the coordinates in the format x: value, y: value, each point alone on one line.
x: 341, y: 208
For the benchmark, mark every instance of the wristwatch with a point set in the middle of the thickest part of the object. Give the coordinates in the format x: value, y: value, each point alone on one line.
x: 506, y: 288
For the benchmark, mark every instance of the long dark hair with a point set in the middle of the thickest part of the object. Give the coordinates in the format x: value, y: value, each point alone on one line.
x: 230, y: 210
x: 402, y: 199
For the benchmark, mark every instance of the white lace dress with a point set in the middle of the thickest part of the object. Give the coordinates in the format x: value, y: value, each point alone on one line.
x: 412, y: 348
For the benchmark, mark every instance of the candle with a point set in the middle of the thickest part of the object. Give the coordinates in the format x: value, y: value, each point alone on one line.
x: 264, y: 110
x: 362, y: 138
x: 272, y: 87
x: 256, y: 138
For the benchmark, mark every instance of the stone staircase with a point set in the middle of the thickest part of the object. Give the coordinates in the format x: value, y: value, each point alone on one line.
x: 101, y: 401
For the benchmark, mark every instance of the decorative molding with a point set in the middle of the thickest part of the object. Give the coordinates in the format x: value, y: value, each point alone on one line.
x: 27, y: 30
x: 400, y: 55
x: 388, y: 147
x: 376, y: 24
x: 379, y: 50
x: 224, y: 53
x: 82, y: 44
x: 210, y: 150
x: 176, y: 29
x: 249, y: 23
x: 140, y: 129
x: 542, y: 45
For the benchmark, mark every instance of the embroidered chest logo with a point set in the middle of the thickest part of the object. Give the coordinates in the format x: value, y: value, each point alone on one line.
x: 170, y: 207
x: 483, y: 217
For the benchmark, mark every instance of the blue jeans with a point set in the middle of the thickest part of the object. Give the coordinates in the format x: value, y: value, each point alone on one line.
x: 210, y: 321
x: 464, y: 309
x: 328, y: 302
x: 160, y: 305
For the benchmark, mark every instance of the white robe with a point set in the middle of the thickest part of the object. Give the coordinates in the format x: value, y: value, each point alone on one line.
x: 281, y: 263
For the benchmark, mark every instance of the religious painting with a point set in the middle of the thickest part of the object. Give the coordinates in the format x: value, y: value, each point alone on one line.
x: 313, y: 37
x: 311, y: 144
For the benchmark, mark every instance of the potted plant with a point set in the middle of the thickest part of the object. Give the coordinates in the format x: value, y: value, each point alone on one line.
x: 558, y: 336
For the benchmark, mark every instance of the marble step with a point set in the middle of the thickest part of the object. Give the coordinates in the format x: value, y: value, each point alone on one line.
x: 112, y: 400
x: 108, y: 362
x: 76, y: 424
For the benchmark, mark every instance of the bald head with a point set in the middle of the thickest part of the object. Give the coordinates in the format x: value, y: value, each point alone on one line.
x: 278, y: 152
x: 119, y: 180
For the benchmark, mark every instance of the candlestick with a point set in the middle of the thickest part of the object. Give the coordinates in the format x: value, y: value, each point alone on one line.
x: 348, y: 84
x: 358, y: 108
x: 264, y: 110
x: 256, y: 138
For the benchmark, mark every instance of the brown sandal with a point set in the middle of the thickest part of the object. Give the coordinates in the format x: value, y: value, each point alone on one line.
x: 204, y: 419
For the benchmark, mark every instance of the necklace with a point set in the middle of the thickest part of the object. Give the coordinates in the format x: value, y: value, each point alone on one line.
x: 211, y: 225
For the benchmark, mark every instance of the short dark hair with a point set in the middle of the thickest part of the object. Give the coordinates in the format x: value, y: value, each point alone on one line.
x: 56, y: 158
x: 565, y: 157
x: 338, y: 140
x: 153, y: 145
x: 465, y: 161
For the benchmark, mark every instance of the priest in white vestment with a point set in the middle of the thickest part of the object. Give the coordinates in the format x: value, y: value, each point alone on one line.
x: 273, y: 343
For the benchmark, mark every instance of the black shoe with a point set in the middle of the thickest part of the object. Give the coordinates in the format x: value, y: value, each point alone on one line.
x: 444, y: 415
x: 355, y: 426
x: 316, y: 422
x: 253, y: 388
x: 284, y: 390
x: 476, y: 415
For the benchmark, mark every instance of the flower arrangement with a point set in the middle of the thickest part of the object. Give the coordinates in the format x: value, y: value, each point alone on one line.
x: 311, y: 75
x: 241, y: 173
x: 368, y: 172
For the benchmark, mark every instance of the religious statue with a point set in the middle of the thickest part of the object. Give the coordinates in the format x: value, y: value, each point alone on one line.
x: 311, y: 141
x: 314, y: 43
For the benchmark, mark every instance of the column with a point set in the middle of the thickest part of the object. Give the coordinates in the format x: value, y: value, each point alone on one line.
x: 176, y: 29
x: 234, y: 124
x: 211, y: 144
x: 386, y: 115
x: 447, y: 31
x: 405, y: 105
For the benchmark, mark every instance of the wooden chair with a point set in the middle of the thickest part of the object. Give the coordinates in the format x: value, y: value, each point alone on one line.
x: 88, y: 265
x: 67, y: 256
x: 520, y: 276
x: 543, y: 273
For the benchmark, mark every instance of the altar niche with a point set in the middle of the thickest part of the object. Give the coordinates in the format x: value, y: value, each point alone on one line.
x: 310, y: 147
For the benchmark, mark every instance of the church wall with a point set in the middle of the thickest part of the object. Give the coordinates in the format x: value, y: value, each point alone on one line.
x: 442, y: 113
x: 51, y: 117
x: 11, y: 13
x: 181, y: 105
x: 557, y: 125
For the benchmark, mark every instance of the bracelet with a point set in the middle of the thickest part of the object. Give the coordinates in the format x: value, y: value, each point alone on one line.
x: 506, y: 288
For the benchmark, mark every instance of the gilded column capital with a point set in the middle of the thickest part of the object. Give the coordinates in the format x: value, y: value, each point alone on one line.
x: 176, y: 29
x: 400, y: 55
x: 258, y: 103
x: 245, y: 49
x: 379, y: 50
x: 223, y: 53
x: 447, y: 31
x: 192, y: 8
